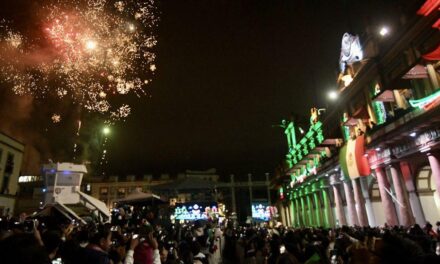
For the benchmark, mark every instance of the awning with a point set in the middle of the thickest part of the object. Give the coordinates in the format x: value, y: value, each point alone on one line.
x: 138, y: 196
x: 360, y: 113
x: 384, y: 96
x: 416, y: 72
x: 433, y: 55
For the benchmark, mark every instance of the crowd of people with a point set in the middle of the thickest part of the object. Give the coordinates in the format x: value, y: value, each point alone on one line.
x: 141, y: 239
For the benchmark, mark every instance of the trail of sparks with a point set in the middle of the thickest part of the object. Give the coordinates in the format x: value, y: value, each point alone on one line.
x: 87, y: 51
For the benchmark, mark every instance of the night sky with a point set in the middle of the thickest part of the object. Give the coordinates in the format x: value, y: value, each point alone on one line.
x: 227, y: 71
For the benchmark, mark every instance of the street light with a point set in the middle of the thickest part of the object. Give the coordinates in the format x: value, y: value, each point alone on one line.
x: 106, y: 130
x: 384, y: 31
x: 333, y: 95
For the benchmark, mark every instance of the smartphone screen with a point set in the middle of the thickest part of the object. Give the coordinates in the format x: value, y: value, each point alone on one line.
x: 282, y: 249
x: 57, y: 261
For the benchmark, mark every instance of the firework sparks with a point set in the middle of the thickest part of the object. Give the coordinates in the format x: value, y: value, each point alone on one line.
x: 56, y: 118
x: 121, y: 113
x: 88, y: 51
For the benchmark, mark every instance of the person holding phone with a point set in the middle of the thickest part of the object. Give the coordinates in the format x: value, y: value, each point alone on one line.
x: 288, y: 250
x: 144, y: 248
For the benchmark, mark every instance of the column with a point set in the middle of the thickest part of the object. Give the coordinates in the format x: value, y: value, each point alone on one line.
x: 311, y: 220
x: 435, y: 168
x: 269, y: 199
x: 340, y: 216
x: 370, y: 212
x: 250, y: 187
x: 327, y: 219
x: 298, y: 209
x: 303, y: 209
x: 292, y: 212
x: 287, y: 210
x: 234, y: 203
x: 432, y: 73
x: 352, y: 215
x: 387, y: 203
x: 414, y: 201
x: 283, y: 214
x: 403, y: 207
x: 317, y: 201
x: 360, y: 203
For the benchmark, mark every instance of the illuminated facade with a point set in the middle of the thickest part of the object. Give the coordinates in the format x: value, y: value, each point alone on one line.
x: 387, y: 167
x: 11, y: 155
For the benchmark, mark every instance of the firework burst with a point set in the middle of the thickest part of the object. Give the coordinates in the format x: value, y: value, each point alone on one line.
x: 88, y: 51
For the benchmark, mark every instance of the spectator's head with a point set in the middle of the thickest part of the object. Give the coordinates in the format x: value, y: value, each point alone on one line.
x: 145, y: 231
x: 290, y: 242
x: 102, y: 237
x: 397, y: 249
x: 428, y: 226
x: 52, y: 242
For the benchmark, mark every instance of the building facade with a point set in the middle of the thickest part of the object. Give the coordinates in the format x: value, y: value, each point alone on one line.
x: 190, y: 186
x: 11, y: 155
x: 384, y: 164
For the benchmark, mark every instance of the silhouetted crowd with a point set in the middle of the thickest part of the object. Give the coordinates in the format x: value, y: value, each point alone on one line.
x: 134, y: 238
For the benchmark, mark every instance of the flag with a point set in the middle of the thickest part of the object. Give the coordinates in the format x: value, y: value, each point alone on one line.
x: 352, y: 160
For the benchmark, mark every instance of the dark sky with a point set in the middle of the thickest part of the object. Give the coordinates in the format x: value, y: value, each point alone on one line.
x: 226, y: 72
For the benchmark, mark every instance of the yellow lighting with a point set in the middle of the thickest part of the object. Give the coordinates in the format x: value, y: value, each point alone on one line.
x: 347, y: 79
x: 384, y: 31
x: 333, y: 95
x: 106, y: 130
x: 91, y: 44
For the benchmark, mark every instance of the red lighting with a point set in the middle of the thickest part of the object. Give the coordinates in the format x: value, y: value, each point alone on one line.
x: 436, y: 24
x: 428, y: 7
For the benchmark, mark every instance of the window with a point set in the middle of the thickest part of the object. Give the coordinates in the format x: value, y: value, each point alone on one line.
x: 374, y: 191
x: 50, y: 179
x: 103, y: 191
x: 424, y: 181
x: 121, y: 191
x: 68, y: 179
x: 9, y: 169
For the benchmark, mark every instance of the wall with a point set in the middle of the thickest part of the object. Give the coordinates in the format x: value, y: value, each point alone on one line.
x: 7, y: 202
x: 379, y: 213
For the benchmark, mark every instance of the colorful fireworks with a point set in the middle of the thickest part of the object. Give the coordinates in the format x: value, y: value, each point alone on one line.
x: 88, y: 51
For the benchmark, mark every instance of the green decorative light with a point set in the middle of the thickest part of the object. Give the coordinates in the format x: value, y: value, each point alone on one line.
x: 306, y: 145
x: 421, y: 103
x: 379, y: 110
